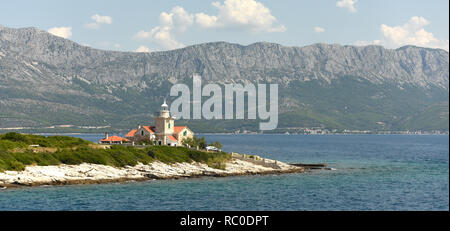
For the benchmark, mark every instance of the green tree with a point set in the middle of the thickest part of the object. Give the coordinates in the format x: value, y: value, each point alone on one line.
x: 188, y: 141
x: 218, y: 145
x: 201, y: 142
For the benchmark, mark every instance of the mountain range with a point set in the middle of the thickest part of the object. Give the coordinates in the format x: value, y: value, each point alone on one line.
x: 46, y: 80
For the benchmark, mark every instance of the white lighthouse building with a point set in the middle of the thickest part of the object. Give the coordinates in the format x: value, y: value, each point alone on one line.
x: 164, y: 132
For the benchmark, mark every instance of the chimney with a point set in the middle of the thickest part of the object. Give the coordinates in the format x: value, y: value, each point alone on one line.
x: 106, y: 135
x: 139, y: 126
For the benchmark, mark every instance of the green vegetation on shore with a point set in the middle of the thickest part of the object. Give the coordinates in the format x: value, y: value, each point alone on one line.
x: 16, y: 153
x: 200, y: 142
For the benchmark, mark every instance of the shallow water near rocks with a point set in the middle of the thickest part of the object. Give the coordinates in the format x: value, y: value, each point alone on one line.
x: 373, y: 172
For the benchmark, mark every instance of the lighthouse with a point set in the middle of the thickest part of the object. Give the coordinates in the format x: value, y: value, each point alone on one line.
x: 164, y: 124
x: 164, y: 132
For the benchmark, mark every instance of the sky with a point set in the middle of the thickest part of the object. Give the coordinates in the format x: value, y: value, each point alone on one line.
x: 153, y: 25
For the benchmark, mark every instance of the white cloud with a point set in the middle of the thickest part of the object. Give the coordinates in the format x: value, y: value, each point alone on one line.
x: 165, y: 38
x: 206, y: 21
x: 319, y: 29
x: 247, y: 14
x: 161, y: 35
x: 64, y: 32
x: 178, y: 19
x: 116, y: 45
x: 143, y: 49
x: 411, y: 33
x: 174, y: 22
x: 349, y: 4
x: 98, y: 20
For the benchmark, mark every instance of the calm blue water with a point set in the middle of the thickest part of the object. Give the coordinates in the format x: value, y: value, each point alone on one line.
x: 374, y: 172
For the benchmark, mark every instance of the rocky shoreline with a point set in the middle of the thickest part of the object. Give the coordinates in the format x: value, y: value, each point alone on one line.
x: 95, y: 173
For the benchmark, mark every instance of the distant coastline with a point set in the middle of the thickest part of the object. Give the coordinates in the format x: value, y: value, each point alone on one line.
x: 309, y: 131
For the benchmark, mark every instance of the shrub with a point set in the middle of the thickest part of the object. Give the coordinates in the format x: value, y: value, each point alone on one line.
x: 9, y: 145
x: 16, y: 166
x: 14, y: 136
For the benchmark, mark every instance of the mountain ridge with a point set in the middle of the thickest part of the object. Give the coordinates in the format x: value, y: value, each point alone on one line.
x: 83, y: 83
x: 86, y: 52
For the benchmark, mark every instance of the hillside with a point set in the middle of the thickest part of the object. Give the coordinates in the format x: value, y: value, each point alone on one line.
x: 46, y: 80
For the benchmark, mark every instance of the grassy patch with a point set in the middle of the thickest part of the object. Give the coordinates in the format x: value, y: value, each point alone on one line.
x: 73, y: 151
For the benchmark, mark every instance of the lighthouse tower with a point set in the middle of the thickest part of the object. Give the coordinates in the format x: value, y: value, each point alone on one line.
x: 164, y: 124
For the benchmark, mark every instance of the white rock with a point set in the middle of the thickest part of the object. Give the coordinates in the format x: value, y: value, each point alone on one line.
x: 49, y: 174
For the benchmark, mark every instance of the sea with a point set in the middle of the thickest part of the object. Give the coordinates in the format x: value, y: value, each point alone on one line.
x: 370, y: 172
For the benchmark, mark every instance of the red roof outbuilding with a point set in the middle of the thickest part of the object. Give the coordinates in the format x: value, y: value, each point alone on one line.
x: 115, y: 139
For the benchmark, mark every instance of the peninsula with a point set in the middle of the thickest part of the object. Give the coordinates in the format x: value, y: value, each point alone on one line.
x: 31, y: 160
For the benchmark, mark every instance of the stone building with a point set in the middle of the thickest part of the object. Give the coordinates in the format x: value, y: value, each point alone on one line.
x: 164, y: 132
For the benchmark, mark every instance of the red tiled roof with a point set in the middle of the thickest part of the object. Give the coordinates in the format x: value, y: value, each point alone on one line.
x: 178, y: 129
x: 173, y: 138
x: 115, y: 138
x: 149, y: 129
x: 131, y: 133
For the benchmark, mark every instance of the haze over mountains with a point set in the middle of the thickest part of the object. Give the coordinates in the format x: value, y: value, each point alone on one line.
x: 47, y: 80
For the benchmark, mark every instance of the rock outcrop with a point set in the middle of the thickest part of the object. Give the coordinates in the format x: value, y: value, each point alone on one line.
x: 95, y: 173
